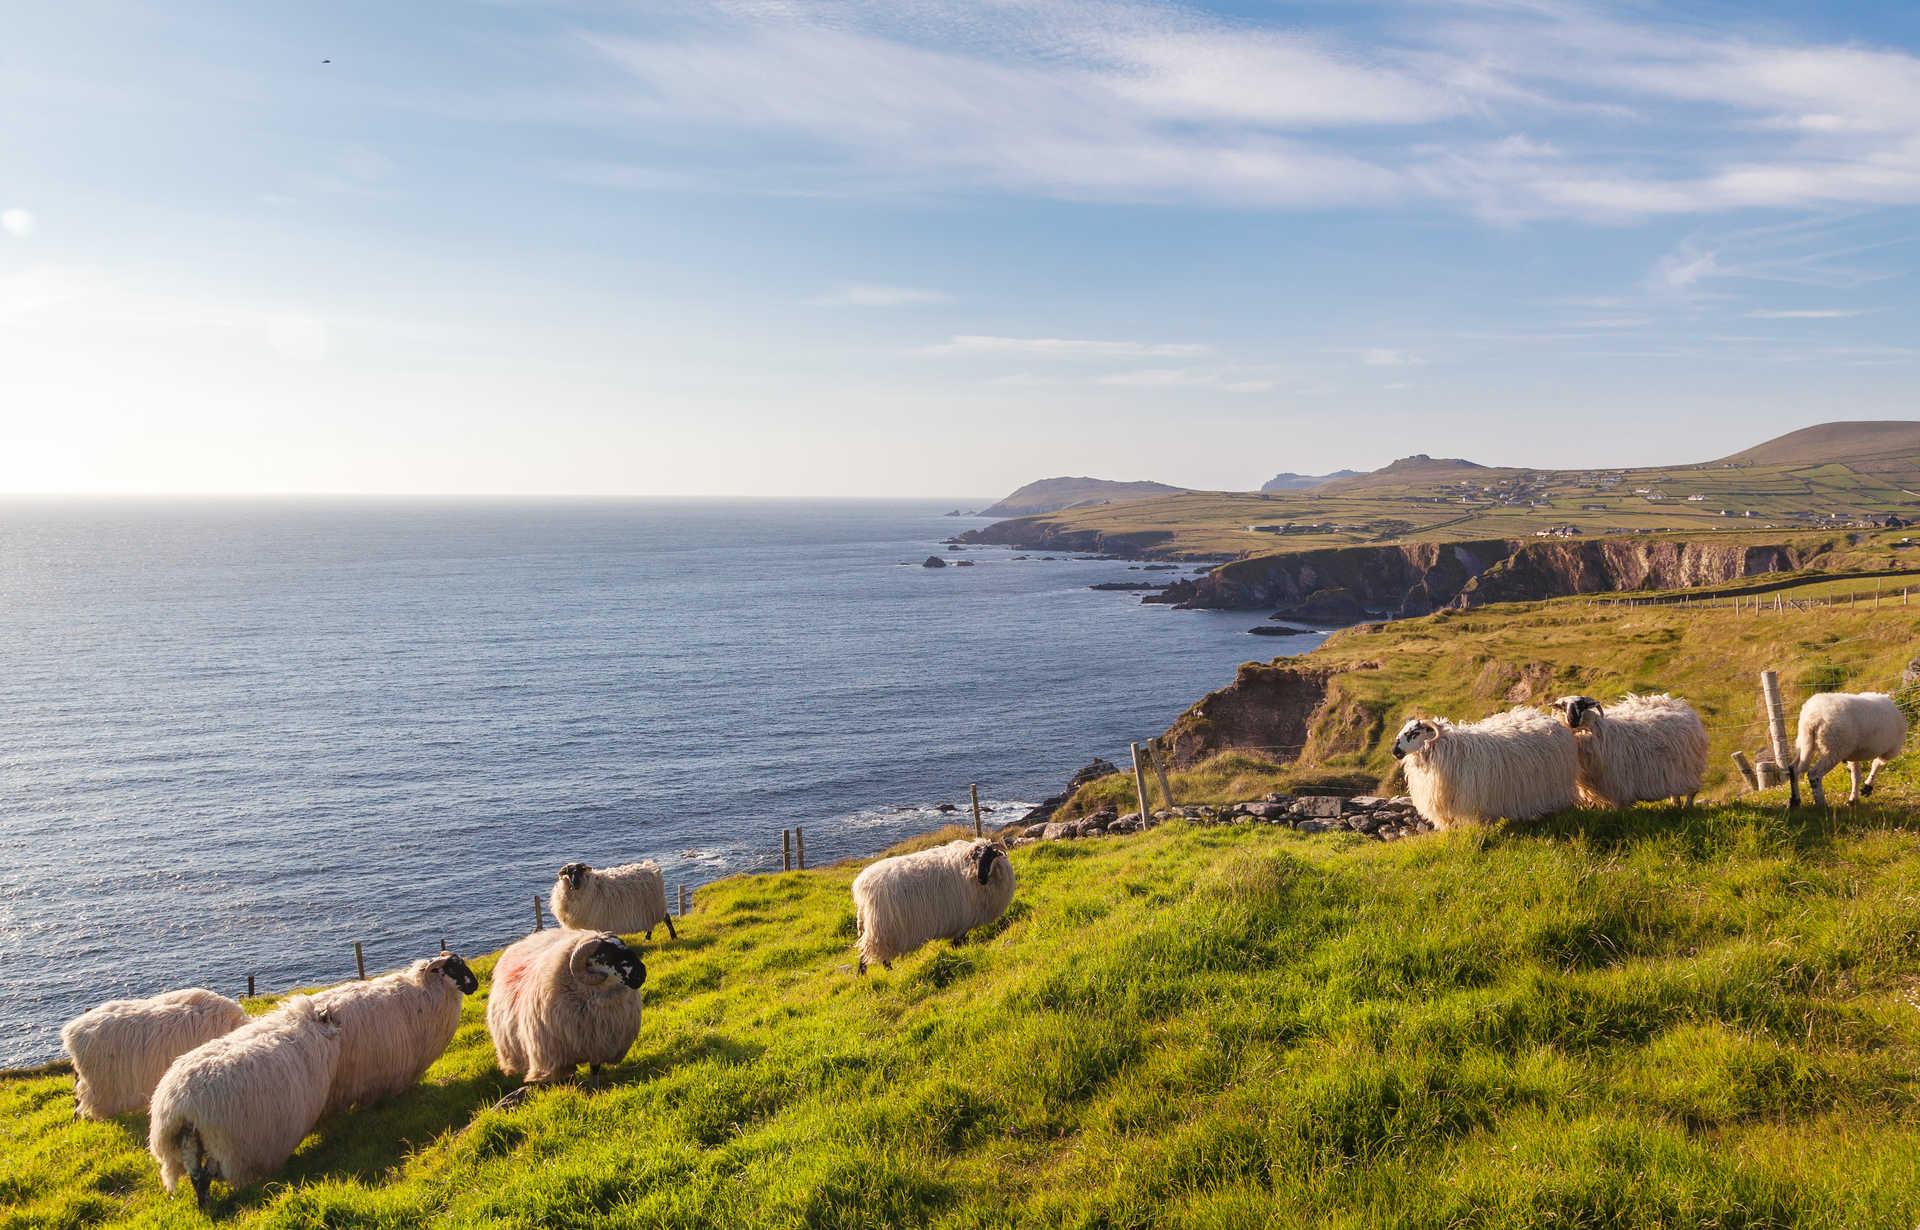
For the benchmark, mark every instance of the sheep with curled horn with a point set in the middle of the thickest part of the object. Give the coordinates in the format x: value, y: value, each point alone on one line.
x: 1638, y: 749
x: 562, y: 998
x: 1853, y: 728
x: 941, y: 893
x: 624, y: 900
x: 393, y: 1027
x: 235, y: 1109
x: 122, y: 1048
x: 1516, y: 765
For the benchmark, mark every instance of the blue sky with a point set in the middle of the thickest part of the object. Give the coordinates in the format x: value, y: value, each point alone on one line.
x: 851, y: 248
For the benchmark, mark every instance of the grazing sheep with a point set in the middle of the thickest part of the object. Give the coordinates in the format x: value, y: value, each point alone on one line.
x: 562, y: 998
x: 1847, y: 726
x: 393, y: 1027
x: 904, y: 901
x: 622, y: 900
x: 122, y: 1048
x: 237, y: 1107
x: 1638, y: 749
x: 1519, y: 764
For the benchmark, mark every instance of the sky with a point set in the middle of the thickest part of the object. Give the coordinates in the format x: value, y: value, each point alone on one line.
x: 939, y: 247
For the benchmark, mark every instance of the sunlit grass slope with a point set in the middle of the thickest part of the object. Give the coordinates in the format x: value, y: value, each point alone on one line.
x: 1640, y: 1019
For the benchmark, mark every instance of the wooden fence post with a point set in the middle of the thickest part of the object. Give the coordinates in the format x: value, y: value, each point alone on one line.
x: 249, y: 986
x: 800, y: 847
x: 683, y: 901
x: 975, y: 788
x: 1159, y: 770
x: 786, y: 849
x: 359, y: 960
x: 539, y: 922
x: 1777, y: 734
x: 1747, y: 774
x: 1140, y: 786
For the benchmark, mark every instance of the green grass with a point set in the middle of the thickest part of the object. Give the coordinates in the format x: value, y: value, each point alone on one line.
x: 1637, y: 1019
x: 1425, y: 506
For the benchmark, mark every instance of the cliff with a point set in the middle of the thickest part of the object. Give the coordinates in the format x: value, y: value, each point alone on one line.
x: 1035, y: 533
x: 1417, y: 578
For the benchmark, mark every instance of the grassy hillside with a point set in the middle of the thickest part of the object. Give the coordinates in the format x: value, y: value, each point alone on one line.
x: 1792, y: 486
x: 1466, y: 665
x: 1608, y: 1020
x: 1049, y: 494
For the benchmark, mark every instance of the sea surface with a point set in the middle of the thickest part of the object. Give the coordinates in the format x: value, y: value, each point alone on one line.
x: 238, y: 736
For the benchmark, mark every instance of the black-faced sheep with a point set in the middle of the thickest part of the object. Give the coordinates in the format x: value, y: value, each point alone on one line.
x: 122, y: 1048
x: 1854, y: 727
x: 1519, y: 765
x: 562, y: 998
x: 943, y: 893
x: 1640, y: 748
x: 393, y: 1027
x: 236, y: 1108
x: 622, y: 900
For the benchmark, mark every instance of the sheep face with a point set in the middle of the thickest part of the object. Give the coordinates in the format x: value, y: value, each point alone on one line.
x: 574, y: 873
x: 1575, y: 710
x: 1415, y: 737
x: 981, y: 857
x: 609, y: 958
x: 456, y: 972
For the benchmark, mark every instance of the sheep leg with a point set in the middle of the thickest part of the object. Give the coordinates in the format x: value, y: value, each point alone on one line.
x: 200, y: 1172
x: 863, y: 965
x: 1853, y: 781
x: 1816, y: 774
x: 671, y: 933
x: 1872, y: 771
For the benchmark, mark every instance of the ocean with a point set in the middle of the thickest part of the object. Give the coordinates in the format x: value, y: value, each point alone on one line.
x: 240, y: 735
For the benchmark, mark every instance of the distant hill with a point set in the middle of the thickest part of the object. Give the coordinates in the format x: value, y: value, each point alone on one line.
x: 1295, y: 482
x: 1871, y: 438
x: 1054, y: 494
x: 1415, y: 469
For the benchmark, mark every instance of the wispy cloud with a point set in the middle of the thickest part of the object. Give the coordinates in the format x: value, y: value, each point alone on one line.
x: 868, y: 294
x: 1149, y: 100
x: 1806, y: 313
x: 1181, y: 377
x: 1380, y: 356
x: 1065, y: 348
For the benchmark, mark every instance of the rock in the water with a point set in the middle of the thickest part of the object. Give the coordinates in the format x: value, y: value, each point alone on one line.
x: 1280, y: 630
x: 946, y: 807
x: 933, y: 561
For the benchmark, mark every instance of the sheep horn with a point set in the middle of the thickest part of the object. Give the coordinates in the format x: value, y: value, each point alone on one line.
x: 587, y: 949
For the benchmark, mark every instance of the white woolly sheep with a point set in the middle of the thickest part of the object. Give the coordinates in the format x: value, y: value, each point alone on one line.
x: 237, y: 1107
x: 1519, y: 764
x: 393, y: 1027
x: 1638, y: 749
x: 562, y: 998
x: 622, y: 899
x: 942, y: 893
x: 1855, y: 727
x: 122, y: 1048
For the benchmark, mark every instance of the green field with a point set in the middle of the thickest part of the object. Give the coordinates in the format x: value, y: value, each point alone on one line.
x: 1429, y: 503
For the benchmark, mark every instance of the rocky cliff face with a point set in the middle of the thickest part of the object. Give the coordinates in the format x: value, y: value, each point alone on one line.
x: 1266, y: 709
x: 1419, y: 578
x: 1038, y: 534
x: 1599, y: 566
x: 1410, y: 579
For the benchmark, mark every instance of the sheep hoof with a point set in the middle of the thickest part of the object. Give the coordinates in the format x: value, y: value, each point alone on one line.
x: 513, y: 1098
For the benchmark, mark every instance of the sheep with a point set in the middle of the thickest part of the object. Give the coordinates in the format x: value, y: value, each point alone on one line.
x: 394, y: 1027
x: 622, y: 899
x: 1519, y: 764
x: 902, y: 902
x: 1638, y: 749
x: 1851, y: 727
x: 237, y: 1107
x: 561, y: 998
x: 121, y: 1049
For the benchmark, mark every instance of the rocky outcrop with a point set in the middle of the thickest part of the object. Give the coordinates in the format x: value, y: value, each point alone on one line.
x: 1040, y: 534
x: 1607, y: 565
x: 1407, y: 579
x: 1094, y: 770
x: 1266, y: 709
